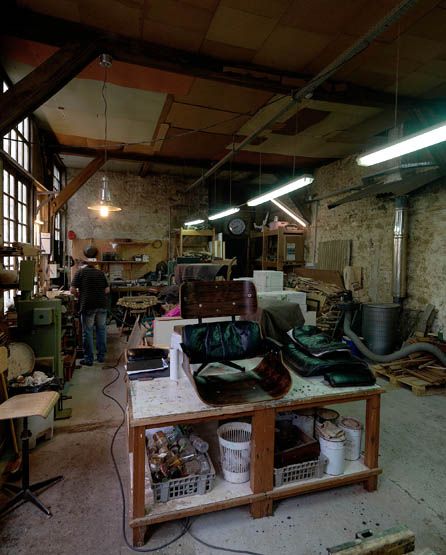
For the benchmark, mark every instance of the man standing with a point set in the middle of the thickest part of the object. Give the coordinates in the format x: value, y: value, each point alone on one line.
x: 92, y: 286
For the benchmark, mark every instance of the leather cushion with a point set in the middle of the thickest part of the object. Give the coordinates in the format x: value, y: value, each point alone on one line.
x: 219, y: 341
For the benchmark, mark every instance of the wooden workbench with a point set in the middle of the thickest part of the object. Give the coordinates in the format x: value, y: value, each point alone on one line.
x: 163, y: 402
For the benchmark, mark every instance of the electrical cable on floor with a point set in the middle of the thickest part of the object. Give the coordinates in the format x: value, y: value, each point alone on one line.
x: 115, y: 464
x: 187, y: 527
x: 187, y: 523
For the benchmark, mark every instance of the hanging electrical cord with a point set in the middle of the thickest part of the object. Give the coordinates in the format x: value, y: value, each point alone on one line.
x: 187, y: 523
x: 397, y: 74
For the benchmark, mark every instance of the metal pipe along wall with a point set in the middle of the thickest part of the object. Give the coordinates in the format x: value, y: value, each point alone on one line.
x: 400, y: 235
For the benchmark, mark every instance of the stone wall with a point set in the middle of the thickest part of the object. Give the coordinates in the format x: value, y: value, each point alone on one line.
x: 151, y: 207
x: 148, y: 206
x: 369, y: 224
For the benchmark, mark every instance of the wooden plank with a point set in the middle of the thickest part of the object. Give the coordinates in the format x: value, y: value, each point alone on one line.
x: 371, y: 452
x: 44, y: 82
x: 138, y: 497
x: 327, y: 276
x: 394, y: 541
x: 321, y: 485
x: 76, y: 183
x: 262, y: 459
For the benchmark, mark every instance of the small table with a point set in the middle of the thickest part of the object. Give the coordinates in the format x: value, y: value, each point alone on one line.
x: 164, y: 402
x: 23, y: 406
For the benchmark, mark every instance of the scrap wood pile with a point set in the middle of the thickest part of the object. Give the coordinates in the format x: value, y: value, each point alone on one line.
x: 428, y: 372
x: 321, y: 297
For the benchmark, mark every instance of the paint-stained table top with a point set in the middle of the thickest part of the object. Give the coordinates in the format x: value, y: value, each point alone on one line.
x: 163, y: 401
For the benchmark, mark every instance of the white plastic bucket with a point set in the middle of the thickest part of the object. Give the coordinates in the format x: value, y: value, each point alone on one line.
x: 353, y: 431
x: 333, y: 450
x: 324, y: 415
x: 235, y: 451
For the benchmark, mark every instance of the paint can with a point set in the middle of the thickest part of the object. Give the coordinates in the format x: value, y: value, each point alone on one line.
x: 324, y: 415
x: 333, y: 449
x: 353, y: 430
x: 304, y: 420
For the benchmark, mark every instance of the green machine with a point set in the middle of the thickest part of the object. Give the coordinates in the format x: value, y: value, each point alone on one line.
x: 39, y: 324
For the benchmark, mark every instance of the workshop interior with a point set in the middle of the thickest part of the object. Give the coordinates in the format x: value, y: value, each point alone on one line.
x: 223, y: 296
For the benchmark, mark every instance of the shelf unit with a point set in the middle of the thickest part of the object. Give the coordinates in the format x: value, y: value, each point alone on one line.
x: 287, y: 249
x: 165, y: 402
x: 209, y: 233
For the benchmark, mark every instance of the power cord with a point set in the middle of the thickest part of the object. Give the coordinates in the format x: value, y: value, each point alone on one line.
x: 187, y: 528
x: 115, y: 464
x: 187, y: 523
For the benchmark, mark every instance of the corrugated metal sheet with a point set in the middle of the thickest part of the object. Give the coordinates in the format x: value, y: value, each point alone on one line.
x: 334, y: 255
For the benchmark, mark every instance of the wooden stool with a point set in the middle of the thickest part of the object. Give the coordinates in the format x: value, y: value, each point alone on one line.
x: 23, y: 406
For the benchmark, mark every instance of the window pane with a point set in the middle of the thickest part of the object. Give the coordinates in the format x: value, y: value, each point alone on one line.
x: 14, y: 144
x: 26, y: 157
x: 11, y: 232
x: 5, y: 232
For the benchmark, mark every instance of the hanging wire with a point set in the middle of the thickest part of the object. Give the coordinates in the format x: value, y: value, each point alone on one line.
x: 296, y: 128
x: 104, y: 98
x: 397, y: 73
x: 230, y: 173
x: 260, y: 173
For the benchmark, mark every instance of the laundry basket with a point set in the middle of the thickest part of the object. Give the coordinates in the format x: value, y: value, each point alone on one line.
x: 235, y: 451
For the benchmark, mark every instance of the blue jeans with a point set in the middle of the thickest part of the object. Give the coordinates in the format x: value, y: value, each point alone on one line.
x: 92, y: 319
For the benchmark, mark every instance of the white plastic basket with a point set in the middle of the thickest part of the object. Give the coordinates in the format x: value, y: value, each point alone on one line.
x: 235, y: 451
x: 299, y: 471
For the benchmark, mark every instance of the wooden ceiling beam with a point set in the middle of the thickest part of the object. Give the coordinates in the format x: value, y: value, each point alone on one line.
x: 173, y: 161
x: 44, y: 82
x: 76, y: 183
x: 25, y: 24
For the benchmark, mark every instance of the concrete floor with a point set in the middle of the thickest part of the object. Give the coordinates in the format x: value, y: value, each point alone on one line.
x: 87, y: 505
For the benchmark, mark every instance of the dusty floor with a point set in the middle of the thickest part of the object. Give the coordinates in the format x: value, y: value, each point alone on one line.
x: 87, y: 505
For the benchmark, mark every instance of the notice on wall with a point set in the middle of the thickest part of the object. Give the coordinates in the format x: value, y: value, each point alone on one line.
x: 291, y: 251
x: 45, y: 243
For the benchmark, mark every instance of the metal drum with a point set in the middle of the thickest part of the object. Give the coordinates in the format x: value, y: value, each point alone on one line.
x: 380, y: 327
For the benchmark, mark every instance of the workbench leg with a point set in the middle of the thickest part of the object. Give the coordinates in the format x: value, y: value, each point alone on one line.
x: 372, y: 439
x: 262, y: 508
x: 138, y: 538
x: 138, y: 483
x: 262, y: 460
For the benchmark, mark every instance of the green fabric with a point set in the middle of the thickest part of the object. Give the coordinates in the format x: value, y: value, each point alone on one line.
x: 313, y: 342
x: 220, y: 341
x: 277, y: 317
x: 345, y: 379
x: 308, y: 365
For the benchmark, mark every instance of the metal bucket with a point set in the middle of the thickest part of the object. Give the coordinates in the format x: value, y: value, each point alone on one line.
x: 380, y: 327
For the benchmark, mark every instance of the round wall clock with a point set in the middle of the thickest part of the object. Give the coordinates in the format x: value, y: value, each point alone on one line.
x: 237, y: 226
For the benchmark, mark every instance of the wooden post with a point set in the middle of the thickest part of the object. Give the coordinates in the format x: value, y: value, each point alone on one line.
x: 76, y: 183
x: 262, y: 460
x: 44, y: 81
x: 139, y: 446
x: 372, y: 439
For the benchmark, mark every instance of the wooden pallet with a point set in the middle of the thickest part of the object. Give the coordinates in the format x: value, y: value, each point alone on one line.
x: 399, y: 377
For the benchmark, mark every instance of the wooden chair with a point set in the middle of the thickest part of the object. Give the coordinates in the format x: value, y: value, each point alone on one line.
x: 215, y: 346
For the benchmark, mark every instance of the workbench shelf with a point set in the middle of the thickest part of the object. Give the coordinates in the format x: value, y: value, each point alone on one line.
x: 163, y: 402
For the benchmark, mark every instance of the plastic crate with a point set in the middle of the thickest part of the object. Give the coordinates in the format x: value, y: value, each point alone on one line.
x: 301, y: 471
x: 196, y: 484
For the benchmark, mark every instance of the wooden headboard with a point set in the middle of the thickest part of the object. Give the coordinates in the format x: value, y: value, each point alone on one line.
x: 208, y: 299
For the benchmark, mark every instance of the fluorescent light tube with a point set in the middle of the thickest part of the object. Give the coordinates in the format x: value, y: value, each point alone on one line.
x: 298, y: 183
x: 290, y: 214
x: 411, y: 143
x: 194, y: 222
x: 223, y: 214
